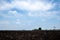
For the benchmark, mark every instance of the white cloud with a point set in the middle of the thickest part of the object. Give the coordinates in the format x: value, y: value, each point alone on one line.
x: 41, y: 14
x: 18, y: 21
x: 4, y: 22
x: 6, y: 6
x: 35, y: 9
x: 8, y: 25
x: 15, y: 13
x: 45, y: 15
x: 11, y: 14
x: 27, y: 5
x: 33, y: 6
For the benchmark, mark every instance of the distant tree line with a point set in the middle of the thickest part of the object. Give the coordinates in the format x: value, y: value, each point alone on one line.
x: 38, y: 28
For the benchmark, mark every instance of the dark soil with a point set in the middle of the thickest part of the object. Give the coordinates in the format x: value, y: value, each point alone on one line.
x: 30, y: 35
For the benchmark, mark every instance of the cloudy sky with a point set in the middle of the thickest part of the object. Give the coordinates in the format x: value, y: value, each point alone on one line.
x: 29, y: 14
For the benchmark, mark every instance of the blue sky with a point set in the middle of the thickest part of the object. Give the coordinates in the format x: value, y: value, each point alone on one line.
x: 29, y: 14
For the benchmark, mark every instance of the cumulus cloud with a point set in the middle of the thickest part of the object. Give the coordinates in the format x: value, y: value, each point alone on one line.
x: 38, y: 5
x: 27, y: 5
x: 11, y: 14
x: 6, y: 6
x: 35, y: 7
x: 41, y: 9
x: 42, y: 13
x: 15, y: 13
x: 45, y: 16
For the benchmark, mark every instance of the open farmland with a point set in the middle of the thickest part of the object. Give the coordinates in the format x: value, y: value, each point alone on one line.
x: 30, y: 35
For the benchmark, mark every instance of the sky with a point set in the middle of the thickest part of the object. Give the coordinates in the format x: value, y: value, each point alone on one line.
x: 29, y: 14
